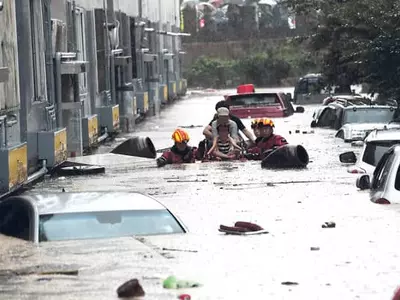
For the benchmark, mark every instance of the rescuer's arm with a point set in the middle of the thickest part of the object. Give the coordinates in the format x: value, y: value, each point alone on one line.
x: 249, y: 135
x: 208, y: 132
x: 162, y: 160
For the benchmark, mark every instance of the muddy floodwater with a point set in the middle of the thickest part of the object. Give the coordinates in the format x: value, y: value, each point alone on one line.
x: 358, y: 259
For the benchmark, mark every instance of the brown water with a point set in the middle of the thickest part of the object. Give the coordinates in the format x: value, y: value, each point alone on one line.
x: 356, y: 260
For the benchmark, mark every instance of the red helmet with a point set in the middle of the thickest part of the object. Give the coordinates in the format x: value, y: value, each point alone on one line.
x: 180, y: 136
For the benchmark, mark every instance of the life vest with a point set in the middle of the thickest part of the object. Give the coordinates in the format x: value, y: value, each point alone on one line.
x: 263, y: 144
x: 270, y: 142
x: 174, y: 156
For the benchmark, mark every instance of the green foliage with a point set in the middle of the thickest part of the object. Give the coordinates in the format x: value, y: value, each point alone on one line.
x: 359, y: 39
x: 266, y: 68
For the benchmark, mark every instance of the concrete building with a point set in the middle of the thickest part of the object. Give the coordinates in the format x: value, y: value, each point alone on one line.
x: 74, y: 72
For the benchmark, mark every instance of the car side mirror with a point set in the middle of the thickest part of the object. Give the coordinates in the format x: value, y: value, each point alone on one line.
x: 299, y: 109
x: 348, y: 157
x: 313, y: 124
x: 363, y: 182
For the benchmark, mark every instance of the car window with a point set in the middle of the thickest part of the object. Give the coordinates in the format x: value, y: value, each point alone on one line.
x: 375, y: 150
x: 15, y: 220
x: 109, y: 224
x: 252, y: 100
x: 397, y: 180
x: 382, y: 171
x: 302, y: 87
x: 368, y: 115
x: 327, y: 117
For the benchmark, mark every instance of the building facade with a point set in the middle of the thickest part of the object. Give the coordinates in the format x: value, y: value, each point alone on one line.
x: 74, y: 72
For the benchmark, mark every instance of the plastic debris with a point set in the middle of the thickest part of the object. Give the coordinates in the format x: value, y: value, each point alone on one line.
x: 329, y: 225
x: 184, y: 297
x: 131, y: 288
x: 314, y: 248
x: 289, y: 283
x: 173, y: 283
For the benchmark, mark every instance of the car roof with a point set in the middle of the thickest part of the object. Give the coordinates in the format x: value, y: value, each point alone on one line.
x: 310, y: 75
x: 363, y: 107
x: 391, y: 134
x: 65, y: 202
x: 256, y: 93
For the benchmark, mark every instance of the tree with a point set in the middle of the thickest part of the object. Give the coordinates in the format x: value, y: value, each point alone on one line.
x: 359, y: 39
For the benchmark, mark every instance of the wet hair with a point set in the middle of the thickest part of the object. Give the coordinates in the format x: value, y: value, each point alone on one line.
x: 220, y: 104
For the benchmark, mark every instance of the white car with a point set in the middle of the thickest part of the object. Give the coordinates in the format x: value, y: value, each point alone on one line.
x: 85, y: 215
x: 384, y: 184
x: 375, y: 145
x: 358, y: 122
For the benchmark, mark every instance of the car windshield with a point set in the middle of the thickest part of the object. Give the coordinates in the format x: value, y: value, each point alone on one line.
x: 375, y: 150
x: 254, y: 100
x: 368, y: 115
x: 108, y: 224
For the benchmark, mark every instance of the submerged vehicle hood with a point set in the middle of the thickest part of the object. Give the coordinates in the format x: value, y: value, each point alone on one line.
x: 354, y: 132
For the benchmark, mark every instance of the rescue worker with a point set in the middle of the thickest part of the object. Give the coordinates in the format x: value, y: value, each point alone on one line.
x: 208, y: 129
x: 180, y: 152
x: 267, y: 141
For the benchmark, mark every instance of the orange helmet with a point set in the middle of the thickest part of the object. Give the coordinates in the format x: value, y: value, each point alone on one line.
x: 180, y: 136
x: 262, y: 122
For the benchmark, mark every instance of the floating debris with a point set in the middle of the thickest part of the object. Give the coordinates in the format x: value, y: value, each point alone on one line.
x: 314, y: 248
x: 329, y: 225
x: 180, y: 250
x: 131, y: 288
x: 289, y: 283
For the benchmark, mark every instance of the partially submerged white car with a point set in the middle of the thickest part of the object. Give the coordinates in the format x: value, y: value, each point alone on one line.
x: 384, y: 184
x: 85, y: 215
x: 359, y: 121
x: 375, y: 145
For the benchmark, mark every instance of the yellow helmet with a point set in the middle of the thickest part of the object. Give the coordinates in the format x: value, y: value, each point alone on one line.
x: 262, y: 122
x: 180, y: 136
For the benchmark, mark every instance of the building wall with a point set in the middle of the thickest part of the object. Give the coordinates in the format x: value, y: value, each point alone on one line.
x: 37, y: 29
x: 9, y: 90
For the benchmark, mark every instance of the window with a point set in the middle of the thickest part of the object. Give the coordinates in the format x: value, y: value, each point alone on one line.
x: 397, y: 181
x: 15, y: 219
x: 254, y: 100
x: 382, y: 170
x: 368, y: 115
x: 327, y: 117
x: 375, y: 150
x: 38, y: 51
x: 107, y: 224
x: 302, y: 88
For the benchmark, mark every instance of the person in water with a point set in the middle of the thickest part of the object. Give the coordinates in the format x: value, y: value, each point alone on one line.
x: 180, y: 152
x: 208, y: 129
x: 224, y: 146
x: 266, y: 141
x: 223, y: 118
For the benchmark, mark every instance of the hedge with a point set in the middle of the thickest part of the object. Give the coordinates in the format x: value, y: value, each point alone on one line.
x: 267, y: 68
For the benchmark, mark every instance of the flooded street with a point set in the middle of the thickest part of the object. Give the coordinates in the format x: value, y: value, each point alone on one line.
x: 356, y: 260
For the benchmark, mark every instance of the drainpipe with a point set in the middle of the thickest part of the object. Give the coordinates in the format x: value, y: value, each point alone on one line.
x: 38, y: 174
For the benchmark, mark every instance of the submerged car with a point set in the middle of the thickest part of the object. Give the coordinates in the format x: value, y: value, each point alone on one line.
x: 384, y: 184
x: 85, y: 215
x: 249, y: 104
x: 353, y: 122
x: 375, y: 145
x: 354, y: 99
